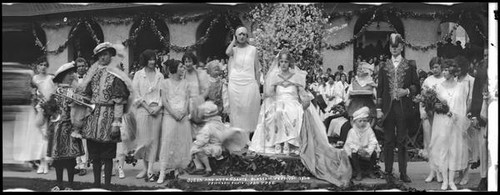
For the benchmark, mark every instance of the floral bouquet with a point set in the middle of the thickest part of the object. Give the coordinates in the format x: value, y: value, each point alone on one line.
x: 431, y: 103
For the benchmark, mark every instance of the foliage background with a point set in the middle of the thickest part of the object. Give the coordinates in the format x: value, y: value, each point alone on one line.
x: 302, y: 29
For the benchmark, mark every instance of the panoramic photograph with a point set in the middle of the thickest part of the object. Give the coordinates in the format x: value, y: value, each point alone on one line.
x: 250, y: 97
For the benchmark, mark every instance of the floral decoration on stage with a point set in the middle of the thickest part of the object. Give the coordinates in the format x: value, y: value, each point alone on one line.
x: 299, y: 28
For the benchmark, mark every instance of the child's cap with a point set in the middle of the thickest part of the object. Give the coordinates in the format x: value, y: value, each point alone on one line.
x: 361, y: 113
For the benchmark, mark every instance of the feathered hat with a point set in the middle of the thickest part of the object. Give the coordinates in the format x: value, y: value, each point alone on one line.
x: 395, y: 39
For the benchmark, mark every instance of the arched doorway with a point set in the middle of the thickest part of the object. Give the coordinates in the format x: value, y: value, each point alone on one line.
x: 471, y: 41
x: 147, y: 39
x: 374, y: 41
x: 19, y: 43
x: 84, y: 41
x: 219, y: 37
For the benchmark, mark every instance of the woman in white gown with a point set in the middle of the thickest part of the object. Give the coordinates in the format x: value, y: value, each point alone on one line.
x: 243, y: 86
x: 448, y: 130
x: 287, y: 124
x: 33, y: 139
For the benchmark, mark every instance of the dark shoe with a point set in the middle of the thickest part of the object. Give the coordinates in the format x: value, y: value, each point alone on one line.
x: 389, y: 178
x: 372, y: 175
x: 483, y: 185
x: 82, y: 172
x: 358, y: 177
x: 405, y: 178
x: 77, y: 171
x: 198, y: 172
x: 208, y: 174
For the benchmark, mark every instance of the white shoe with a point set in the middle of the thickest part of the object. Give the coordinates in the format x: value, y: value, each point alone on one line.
x: 444, y: 186
x: 430, y: 177
x: 453, y: 186
x: 141, y: 174
x: 277, y: 149
x: 45, y: 168
x: 465, y: 180
x: 161, y: 178
x: 40, y: 169
x: 121, y: 174
x: 286, y: 149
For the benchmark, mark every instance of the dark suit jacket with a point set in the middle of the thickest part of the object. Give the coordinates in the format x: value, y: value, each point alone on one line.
x: 480, y: 82
x: 407, y: 78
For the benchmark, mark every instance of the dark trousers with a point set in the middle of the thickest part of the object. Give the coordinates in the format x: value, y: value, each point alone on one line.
x: 359, y: 164
x: 99, y: 154
x: 60, y: 165
x: 395, y: 134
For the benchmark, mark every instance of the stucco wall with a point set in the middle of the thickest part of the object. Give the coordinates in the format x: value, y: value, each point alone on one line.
x: 182, y: 35
x: 418, y: 32
x: 116, y: 34
x: 56, y: 37
x: 421, y: 33
x: 333, y: 58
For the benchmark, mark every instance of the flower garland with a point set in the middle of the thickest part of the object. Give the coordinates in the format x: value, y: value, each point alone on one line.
x: 431, y: 46
x: 166, y: 42
x: 128, y: 20
x: 481, y: 33
x: 133, y: 36
x: 443, y: 15
x: 61, y: 47
x: 92, y: 32
x: 344, y: 44
x: 71, y: 36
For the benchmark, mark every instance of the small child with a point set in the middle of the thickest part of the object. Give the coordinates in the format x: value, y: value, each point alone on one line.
x: 208, y: 142
x: 213, y: 139
x: 64, y: 143
x: 361, y: 144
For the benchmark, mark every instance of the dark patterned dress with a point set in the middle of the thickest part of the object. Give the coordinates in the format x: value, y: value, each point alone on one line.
x: 105, y: 90
x: 60, y: 143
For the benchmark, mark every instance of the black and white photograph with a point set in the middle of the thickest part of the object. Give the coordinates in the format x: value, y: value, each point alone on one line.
x: 250, y: 97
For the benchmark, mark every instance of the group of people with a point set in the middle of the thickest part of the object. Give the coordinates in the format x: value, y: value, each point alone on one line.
x: 455, y: 141
x: 178, y: 119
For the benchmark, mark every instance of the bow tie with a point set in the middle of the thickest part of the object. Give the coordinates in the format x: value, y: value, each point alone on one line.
x: 80, y: 77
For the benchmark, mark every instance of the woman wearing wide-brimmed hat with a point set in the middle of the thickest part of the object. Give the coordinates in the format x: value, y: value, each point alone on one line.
x: 109, y: 89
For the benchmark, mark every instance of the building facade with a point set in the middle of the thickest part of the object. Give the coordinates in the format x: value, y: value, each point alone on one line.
x: 66, y: 31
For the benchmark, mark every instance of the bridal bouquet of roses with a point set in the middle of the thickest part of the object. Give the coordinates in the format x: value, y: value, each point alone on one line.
x: 431, y: 103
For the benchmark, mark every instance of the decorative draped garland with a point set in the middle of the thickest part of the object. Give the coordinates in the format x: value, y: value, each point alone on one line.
x: 71, y: 36
x: 128, y: 20
x: 441, y: 15
x: 433, y: 45
x: 344, y: 44
x: 167, y: 43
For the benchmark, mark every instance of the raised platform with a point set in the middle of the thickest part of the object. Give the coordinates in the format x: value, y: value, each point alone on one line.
x: 262, y: 171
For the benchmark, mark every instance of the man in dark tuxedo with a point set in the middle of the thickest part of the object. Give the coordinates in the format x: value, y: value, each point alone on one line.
x: 398, y: 83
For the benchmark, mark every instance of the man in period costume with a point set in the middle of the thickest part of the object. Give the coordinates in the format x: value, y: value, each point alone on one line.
x: 109, y: 89
x: 398, y: 84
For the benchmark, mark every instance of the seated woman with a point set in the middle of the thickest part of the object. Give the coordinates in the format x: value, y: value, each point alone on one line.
x: 287, y: 124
